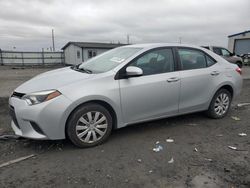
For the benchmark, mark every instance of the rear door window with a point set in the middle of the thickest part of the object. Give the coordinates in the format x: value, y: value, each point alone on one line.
x: 192, y: 59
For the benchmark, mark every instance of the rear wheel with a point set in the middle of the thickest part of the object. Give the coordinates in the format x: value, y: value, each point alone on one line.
x: 220, y: 104
x: 89, y: 125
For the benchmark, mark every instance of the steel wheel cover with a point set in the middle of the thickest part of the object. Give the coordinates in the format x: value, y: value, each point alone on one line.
x: 91, y: 126
x: 221, y: 104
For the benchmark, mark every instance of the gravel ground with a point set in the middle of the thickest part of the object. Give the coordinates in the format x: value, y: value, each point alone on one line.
x: 127, y: 158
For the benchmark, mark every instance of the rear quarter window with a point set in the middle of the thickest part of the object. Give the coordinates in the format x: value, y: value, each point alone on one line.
x: 210, y: 61
x: 205, y: 47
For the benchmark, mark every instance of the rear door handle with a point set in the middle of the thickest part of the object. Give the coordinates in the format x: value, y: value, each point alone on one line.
x: 173, y: 79
x: 215, y: 73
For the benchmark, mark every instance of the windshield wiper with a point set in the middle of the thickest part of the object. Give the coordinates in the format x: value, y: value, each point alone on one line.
x: 85, y: 70
x: 76, y: 67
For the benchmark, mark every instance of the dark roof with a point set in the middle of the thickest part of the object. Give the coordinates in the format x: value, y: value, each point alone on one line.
x: 239, y: 33
x: 93, y: 45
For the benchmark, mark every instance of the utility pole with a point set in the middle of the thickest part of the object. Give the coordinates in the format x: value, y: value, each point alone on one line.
x: 53, y: 40
x: 1, y: 57
x: 180, y: 39
x: 43, y: 56
x: 127, y: 38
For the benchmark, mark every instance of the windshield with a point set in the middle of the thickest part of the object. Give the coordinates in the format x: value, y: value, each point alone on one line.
x: 108, y: 60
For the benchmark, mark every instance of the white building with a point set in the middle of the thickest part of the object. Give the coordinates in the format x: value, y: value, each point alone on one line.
x: 78, y: 52
x: 239, y: 43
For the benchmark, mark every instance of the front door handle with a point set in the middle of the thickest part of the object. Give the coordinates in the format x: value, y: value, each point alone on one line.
x: 173, y: 79
x: 215, y: 73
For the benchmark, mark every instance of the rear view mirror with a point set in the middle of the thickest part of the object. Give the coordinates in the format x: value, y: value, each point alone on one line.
x: 132, y: 71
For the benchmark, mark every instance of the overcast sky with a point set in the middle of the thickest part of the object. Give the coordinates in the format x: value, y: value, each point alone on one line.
x: 27, y: 24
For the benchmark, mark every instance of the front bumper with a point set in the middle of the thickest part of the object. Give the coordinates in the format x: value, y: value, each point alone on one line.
x: 45, y: 121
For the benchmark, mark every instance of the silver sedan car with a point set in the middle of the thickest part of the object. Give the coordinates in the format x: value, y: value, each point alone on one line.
x: 126, y: 85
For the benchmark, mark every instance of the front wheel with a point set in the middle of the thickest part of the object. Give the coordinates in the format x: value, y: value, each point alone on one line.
x: 220, y: 104
x: 89, y: 125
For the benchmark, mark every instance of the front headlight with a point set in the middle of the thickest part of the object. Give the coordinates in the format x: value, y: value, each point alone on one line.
x: 39, y: 97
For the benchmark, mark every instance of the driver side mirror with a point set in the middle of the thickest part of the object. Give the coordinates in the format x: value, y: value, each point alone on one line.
x: 132, y: 71
x: 232, y: 54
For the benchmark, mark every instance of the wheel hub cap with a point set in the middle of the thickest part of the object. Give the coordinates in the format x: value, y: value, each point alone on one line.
x: 221, y: 104
x: 91, y: 127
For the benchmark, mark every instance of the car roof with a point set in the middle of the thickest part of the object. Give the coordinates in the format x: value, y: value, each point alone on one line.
x: 214, y: 46
x: 156, y: 45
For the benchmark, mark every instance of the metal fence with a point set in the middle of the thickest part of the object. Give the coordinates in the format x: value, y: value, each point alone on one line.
x: 30, y: 58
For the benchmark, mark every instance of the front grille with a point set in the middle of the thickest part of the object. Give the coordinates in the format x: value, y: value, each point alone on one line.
x: 13, y: 115
x: 17, y: 95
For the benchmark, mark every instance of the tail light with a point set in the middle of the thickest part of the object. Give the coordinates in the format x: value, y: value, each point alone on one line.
x: 239, y: 70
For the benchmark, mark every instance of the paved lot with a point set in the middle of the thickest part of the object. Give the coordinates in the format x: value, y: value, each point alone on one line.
x: 246, y: 72
x: 127, y: 159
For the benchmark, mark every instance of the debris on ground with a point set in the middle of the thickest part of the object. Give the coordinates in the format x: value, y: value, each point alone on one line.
x: 193, y: 124
x: 51, y: 146
x: 139, y: 160
x: 171, y: 160
x: 150, y: 171
x: 195, y: 149
x: 243, y: 104
x: 158, y: 148
x: 219, y: 135
x: 242, y: 134
x: 157, y: 142
x: 17, y: 68
x: 8, y: 136
x: 226, y: 170
x: 232, y: 147
x: 108, y: 176
x: 207, y: 159
x: 235, y: 118
x: 16, y: 160
x: 169, y: 140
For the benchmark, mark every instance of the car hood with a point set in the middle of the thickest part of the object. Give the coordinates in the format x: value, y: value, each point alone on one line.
x: 52, y: 80
x: 237, y: 57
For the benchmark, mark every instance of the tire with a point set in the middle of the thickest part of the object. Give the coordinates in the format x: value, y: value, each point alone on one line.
x: 89, y: 125
x: 239, y: 64
x: 220, y: 104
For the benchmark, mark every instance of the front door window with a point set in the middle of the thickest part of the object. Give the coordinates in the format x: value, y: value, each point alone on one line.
x: 155, y: 62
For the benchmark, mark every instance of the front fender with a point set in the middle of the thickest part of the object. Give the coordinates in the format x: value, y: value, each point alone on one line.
x: 87, y: 99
